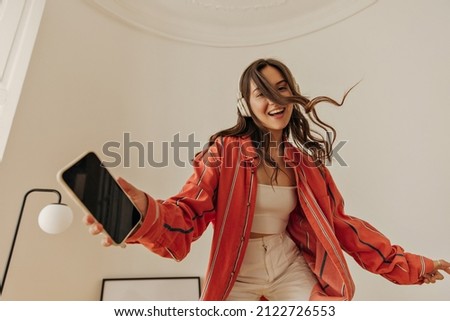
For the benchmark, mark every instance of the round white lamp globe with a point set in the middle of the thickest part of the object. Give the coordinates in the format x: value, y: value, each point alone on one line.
x: 55, y: 218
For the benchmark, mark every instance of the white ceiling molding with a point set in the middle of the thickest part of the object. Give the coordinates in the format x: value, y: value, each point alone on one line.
x: 19, y: 24
x: 232, y: 23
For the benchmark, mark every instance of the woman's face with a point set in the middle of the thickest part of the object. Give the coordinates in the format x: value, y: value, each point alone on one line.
x: 273, y: 116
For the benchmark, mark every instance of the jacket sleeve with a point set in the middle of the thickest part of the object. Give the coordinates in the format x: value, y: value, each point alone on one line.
x: 370, y: 248
x: 171, y: 226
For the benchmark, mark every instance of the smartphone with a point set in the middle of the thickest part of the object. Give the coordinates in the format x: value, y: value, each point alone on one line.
x: 93, y: 187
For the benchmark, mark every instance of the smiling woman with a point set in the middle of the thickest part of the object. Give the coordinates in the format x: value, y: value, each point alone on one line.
x: 225, y: 23
x: 278, y: 107
x: 291, y: 251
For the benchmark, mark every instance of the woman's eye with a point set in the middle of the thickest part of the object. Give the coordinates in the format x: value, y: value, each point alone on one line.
x: 283, y: 88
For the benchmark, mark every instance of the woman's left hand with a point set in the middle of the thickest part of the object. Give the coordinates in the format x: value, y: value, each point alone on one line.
x: 436, y: 275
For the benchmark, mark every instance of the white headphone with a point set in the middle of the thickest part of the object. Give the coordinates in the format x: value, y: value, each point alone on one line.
x: 243, y: 107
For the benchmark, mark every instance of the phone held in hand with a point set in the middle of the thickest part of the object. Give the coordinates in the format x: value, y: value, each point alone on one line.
x: 95, y: 190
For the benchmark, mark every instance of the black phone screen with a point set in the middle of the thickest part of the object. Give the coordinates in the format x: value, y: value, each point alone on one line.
x: 102, y: 196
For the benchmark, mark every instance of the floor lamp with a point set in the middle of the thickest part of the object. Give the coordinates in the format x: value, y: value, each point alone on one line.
x: 53, y: 219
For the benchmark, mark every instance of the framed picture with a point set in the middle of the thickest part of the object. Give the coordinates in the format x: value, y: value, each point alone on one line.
x: 151, y: 289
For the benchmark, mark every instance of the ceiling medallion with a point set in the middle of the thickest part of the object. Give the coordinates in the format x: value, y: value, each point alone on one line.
x: 238, y: 4
x: 232, y: 23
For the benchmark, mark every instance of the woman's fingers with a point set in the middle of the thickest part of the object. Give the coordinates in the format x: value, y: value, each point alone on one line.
x: 107, y: 241
x: 436, y: 275
x: 88, y: 219
x: 139, y: 199
x: 95, y: 228
x: 137, y: 196
x: 443, y: 265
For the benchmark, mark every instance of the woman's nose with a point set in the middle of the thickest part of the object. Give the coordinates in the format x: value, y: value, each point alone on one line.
x: 270, y: 102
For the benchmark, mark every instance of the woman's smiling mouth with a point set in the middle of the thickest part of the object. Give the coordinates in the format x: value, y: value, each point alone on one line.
x: 277, y: 112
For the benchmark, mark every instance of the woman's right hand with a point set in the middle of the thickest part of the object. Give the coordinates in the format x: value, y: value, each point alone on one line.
x: 139, y: 200
x: 96, y: 228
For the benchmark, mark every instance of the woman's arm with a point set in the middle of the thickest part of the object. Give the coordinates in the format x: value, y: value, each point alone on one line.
x: 374, y: 251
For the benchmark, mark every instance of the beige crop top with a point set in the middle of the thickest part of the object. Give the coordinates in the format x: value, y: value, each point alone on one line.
x: 272, y: 208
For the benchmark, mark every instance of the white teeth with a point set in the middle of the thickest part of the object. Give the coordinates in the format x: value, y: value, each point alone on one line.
x: 276, y: 111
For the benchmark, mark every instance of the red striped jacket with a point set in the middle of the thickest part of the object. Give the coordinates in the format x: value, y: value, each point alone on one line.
x: 222, y: 191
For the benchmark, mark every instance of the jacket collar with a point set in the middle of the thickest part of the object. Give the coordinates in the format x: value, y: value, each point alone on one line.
x: 292, y: 154
x: 247, y: 149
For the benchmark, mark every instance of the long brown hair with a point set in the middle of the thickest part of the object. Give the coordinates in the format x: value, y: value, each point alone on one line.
x: 299, y: 129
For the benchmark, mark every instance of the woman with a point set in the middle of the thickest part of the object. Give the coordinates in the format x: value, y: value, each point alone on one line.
x: 280, y: 230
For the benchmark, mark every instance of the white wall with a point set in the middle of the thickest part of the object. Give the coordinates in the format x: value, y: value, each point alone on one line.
x: 92, y: 78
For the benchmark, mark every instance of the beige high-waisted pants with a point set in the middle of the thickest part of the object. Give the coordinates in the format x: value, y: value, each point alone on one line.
x: 273, y: 268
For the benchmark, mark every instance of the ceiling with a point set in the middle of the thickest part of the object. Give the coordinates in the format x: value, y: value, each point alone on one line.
x: 232, y: 23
